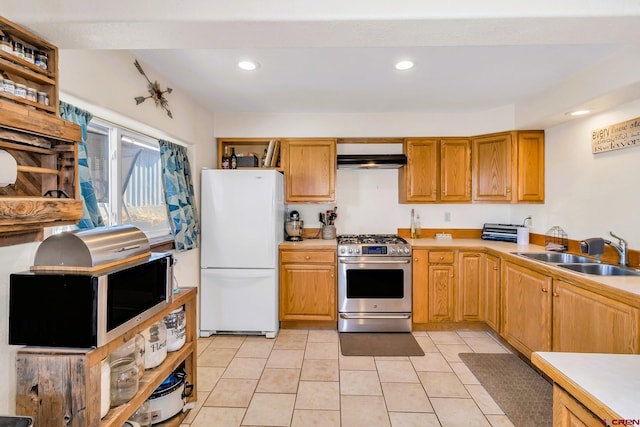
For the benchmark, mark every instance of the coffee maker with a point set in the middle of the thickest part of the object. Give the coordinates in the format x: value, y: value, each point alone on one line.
x: 294, y: 226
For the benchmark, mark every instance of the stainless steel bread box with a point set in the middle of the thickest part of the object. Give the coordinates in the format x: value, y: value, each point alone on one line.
x: 93, y: 249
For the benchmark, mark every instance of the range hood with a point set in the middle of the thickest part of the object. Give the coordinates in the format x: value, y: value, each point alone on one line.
x: 371, y: 161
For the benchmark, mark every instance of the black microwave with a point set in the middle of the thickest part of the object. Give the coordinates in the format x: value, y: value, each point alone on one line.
x: 78, y: 310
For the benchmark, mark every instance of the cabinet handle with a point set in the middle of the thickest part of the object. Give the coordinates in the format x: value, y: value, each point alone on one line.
x: 495, y: 268
x: 544, y: 290
x: 555, y: 294
x: 441, y: 258
x: 307, y: 257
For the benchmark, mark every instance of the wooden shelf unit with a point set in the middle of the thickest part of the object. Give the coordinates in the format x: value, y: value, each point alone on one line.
x: 21, y: 71
x: 43, y: 144
x: 62, y: 386
x: 245, y: 146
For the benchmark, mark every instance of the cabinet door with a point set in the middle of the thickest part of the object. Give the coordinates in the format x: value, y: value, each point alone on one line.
x: 310, y: 170
x: 531, y: 166
x: 455, y: 170
x: 492, y: 292
x: 568, y: 412
x: 418, y: 179
x: 470, y: 297
x: 526, y: 316
x: 307, y: 292
x: 492, y: 168
x: 441, y: 308
x: 585, y: 322
x: 420, y: 286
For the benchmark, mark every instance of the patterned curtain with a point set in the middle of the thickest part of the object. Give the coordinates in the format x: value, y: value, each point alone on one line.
x: 90, y: 213
x: 179, y: 195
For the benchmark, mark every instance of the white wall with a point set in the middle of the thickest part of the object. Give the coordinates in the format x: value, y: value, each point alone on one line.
x: 588, y: 194
x: 107, y: 81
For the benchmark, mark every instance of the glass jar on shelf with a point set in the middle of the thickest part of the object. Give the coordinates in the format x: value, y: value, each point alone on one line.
x: 124, y: 380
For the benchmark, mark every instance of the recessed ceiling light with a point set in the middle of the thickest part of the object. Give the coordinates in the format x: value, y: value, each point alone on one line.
x: 404, y: 65
x: 579, y: 112
x: 248, y: 65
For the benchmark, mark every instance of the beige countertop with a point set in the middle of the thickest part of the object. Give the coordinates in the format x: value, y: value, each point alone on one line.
x: 310, y: 244
x: 626, y: 288
x: 607, y: 384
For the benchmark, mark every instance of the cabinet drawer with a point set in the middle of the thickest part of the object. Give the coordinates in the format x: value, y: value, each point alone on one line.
x: 307, y: 256
x: 441, y: 257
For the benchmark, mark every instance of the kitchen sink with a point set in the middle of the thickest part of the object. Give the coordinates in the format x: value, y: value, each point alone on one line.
x: 555, y: 257
x: 601, y: 269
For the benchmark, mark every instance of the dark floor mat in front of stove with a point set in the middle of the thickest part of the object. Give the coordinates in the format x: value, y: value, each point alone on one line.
x: 379, y: 344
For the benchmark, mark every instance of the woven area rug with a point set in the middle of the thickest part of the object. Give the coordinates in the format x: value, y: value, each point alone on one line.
x: 379, y: 344
x: 523, y: 394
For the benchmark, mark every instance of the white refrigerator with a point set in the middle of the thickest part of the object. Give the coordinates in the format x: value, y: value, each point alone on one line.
x: 242, y: 215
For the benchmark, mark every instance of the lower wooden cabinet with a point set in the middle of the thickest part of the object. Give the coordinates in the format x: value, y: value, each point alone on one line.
x: 586, y: 322
x: 308, y: 285
x: 471, y: 266
x: 420, y: 291
x: 526, y: 309
x: 492, y: 292
x: 568, y: 412
x: 441, y: 286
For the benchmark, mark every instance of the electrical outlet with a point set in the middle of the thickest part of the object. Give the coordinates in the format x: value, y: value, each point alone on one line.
x: 447, y: 217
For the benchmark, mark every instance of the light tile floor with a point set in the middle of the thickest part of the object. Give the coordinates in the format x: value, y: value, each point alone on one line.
x: 300, y: 379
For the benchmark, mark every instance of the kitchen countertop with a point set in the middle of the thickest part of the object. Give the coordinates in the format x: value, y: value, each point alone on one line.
x: 627, y: 288
x: 607, y: 384
x: 628, y: 285
x: 310, y: 244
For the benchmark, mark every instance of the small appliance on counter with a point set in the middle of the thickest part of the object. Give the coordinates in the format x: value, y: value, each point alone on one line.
x: 294, y: 226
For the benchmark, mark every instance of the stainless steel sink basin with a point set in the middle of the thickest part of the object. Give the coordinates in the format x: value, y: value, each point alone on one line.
x: 601, y: 269
x: 555, y: 257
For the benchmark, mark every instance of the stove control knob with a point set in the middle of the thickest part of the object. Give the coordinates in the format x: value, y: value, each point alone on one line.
x: 391, y: 250
x: 342, y: 250
x: 407, y: 250
x: 357, y: 250
x: 350, y: 250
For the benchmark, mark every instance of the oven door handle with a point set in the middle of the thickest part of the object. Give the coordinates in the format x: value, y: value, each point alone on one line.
x: 404, y: 261
x: 374, y: 316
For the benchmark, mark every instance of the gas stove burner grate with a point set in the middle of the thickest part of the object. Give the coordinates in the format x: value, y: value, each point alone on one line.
x: 368, y: 239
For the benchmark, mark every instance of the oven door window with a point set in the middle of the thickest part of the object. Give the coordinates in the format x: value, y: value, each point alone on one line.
x: 375, y: 283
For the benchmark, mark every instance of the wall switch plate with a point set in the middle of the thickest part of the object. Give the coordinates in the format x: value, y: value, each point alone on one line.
x: 443, y: 236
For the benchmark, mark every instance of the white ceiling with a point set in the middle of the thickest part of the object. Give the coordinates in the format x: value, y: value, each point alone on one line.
x: 337, y: 57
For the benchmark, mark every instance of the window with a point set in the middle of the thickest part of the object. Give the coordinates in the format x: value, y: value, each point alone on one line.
x: 126, y: 174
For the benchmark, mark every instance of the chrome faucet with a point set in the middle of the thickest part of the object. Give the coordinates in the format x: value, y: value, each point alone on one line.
x: 621, y: 248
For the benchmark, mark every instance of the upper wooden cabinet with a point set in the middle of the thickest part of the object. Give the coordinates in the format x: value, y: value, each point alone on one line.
x: 437, y: 170
x: 508, y: 167
x: 310, y: 170
x: 418, y: 180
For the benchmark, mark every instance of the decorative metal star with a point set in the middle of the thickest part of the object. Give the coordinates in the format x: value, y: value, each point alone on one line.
x: 155, y: 93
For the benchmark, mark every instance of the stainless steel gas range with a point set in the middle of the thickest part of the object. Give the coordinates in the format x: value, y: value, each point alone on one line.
x: 374, y: 283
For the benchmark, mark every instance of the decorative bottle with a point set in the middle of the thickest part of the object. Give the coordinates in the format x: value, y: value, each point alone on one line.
x: 413, y: 224
x: 234, y: 159
x: 225, y: 159
x: 263, y: 160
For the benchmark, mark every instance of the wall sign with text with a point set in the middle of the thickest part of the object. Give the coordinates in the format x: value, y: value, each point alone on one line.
x: 616, y: 137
